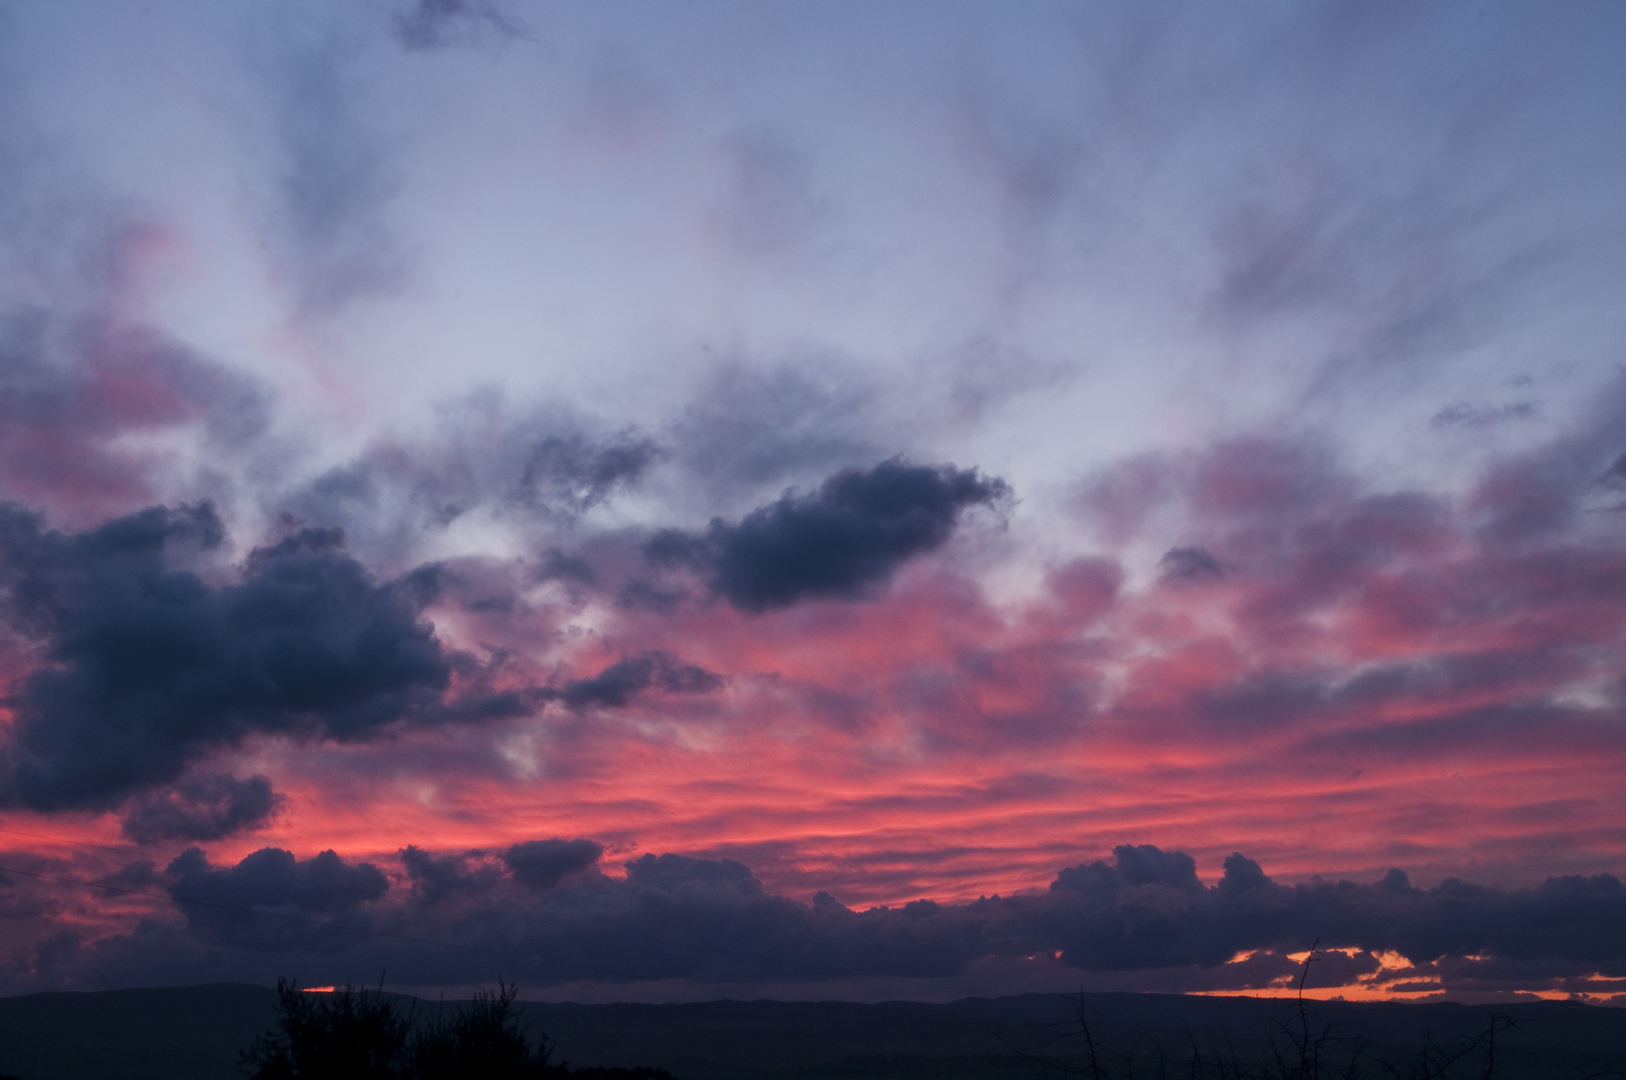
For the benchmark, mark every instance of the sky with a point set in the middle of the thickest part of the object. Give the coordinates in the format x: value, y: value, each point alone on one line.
x: 842, y: 500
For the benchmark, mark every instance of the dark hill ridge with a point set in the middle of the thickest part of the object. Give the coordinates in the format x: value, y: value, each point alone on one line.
x: 188, y: 1033
x: 196, y: 1033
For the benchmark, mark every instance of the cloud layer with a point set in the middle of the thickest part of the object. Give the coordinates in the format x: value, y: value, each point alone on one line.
x: 750, y: 501
x: 1142, y: 920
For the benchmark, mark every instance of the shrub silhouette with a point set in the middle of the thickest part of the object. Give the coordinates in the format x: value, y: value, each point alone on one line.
x: 350, y: 1034
x: 1309, y: 1050
x: 360, y: 1034
x: 486, y: 1040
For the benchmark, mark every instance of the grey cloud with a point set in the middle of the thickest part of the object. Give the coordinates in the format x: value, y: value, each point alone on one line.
x: 327, y: 215
x: 642, y: 594
x: 771, y: 203
x: 573, y: 474
x: 1615, y: 474
x: 1035, y: 158
x: 556, y: 565
x: 756, y: 426
x: 542, y: 473
x: 1189, y: 564
x: 630, y: 676
x: 437, y: 24
x: 1296, y: 249
x: 623, y: 101
x: 1460, y: 414
x: 202, y: 808
x: 72, y: 391
x: 1533, y: 496
x: 845, y: 541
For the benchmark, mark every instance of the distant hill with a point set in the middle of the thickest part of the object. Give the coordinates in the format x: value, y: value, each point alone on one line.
x: 194, y: 1033
x: 197, y: 1033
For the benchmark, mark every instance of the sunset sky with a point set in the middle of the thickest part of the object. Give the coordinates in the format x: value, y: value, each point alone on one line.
x: 674, y: 501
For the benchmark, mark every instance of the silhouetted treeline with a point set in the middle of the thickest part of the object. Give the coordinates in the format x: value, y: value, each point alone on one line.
x: 1301, y: 1048
x: 359, y: 1034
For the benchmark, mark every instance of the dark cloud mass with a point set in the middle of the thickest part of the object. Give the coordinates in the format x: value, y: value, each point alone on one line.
x: 542, y: 864
x: 671, y: 873
x: 202, y: 808
x: 845, y: 541
x: 1144, y: 916
x: 224, y: 906
x: 436, y: 877
x: 147, y: 665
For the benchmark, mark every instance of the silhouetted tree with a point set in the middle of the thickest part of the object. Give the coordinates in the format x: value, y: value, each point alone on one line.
x: 350, y: 1034
x: 485, y: 1040
x: 359, y: 1034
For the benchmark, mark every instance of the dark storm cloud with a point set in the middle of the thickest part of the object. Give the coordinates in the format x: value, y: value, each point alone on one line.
x: 845, y: 541
x: 148, y: 666
x: 436, y: 877
x: 1142, y: 920
x: 672, y: 873
x: 224, y: 906
x: 147, y: 662
x: 1144, y: 864
x: 542, y: 864
x: 437, y: 24
x: 202, y: 808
